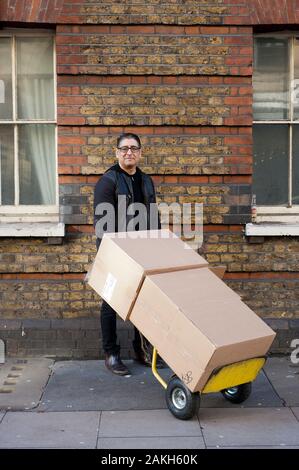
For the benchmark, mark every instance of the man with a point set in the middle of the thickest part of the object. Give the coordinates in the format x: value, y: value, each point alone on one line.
x: 123, y: 180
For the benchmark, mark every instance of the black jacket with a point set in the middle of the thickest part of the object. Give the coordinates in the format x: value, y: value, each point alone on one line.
x: 114, y: 183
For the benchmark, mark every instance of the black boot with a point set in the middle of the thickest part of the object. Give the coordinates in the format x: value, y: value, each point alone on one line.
x: 144, y: 354
x: 114, y: 363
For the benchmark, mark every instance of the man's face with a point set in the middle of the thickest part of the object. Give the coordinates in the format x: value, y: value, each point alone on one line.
x: 128, y: 154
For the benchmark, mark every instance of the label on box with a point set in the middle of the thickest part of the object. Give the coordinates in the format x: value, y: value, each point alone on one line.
x: 109, y: 287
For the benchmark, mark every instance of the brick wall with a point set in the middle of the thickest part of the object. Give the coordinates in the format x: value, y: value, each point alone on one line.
x: 166, y: 151
x: 196, y: 101
x: 180, y: 12
x: 31, y: 11
x: 154, y: 50
x: 48, y: 280
x: 179, y: 73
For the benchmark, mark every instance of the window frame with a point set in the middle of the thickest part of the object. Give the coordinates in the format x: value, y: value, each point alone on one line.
x: 288, y: 213
x: 20, y: 212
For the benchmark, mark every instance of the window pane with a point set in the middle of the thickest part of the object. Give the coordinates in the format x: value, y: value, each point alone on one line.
x: 35, y: 78
x: 271, y: 79
x: 5, y: 79
x: 296, y: 164
x: 7, y: 188
x: 37, y: 164
x: 296, y: 76
x: 270, y: 170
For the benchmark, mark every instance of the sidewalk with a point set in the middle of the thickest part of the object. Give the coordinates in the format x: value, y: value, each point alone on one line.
x: 80, y: 405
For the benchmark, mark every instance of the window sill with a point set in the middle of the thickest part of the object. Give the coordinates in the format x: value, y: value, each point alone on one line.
x: 36, y: 229
x: 271, y: 230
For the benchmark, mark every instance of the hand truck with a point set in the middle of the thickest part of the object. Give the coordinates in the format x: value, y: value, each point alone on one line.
x: 234, y: 381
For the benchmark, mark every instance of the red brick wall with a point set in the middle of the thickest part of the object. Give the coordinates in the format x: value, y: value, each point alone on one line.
x: 192, y: 12
x: 31, y: 11
x: 167, y: 150
x: 203, y: 50
x: 265, y: 12
x: 154, y: 101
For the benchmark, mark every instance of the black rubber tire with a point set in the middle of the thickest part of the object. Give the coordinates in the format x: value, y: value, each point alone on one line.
x: 237, y: 394
x: 182, y: 403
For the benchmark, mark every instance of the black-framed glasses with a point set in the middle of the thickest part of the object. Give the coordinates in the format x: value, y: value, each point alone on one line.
x: 125, y: 149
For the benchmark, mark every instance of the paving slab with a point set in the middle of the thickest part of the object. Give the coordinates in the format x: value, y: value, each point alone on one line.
x: 146, y: 423
x: 60, y: 430
x: 22, y: 382
x: 262, y: 395
x: 249, y: 427
x: 295, y: 410
x: 88, y: 385
x: 151, y: 443
x: 284, y: 376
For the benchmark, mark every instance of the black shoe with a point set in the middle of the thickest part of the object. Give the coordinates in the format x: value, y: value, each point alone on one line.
x: 143, y: 358
x: 146, y: 360
x: 144, y: 352
x: 114, y: 363
x: 160, y: 363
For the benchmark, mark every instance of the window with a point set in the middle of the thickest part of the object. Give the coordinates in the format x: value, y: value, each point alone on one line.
x: 28, y: 134
x: 276, y: 127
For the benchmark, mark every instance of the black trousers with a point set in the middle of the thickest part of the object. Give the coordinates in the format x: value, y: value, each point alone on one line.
x: 109, y: 335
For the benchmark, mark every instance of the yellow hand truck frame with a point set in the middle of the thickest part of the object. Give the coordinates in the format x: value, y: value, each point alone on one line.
x: 232, y: 380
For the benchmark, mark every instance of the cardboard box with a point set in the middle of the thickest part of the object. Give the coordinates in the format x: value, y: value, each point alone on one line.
x: 124, y: 259
x: 198, y: 324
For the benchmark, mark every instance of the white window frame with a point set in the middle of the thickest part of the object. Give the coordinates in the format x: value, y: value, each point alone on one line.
x: 43, y: 215
x: 279, y: 220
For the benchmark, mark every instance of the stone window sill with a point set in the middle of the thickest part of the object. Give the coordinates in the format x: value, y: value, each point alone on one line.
x: 36, y: 229
x: 271, y: 230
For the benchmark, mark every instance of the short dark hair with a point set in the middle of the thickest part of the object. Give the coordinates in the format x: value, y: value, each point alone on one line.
x: 128, y: 135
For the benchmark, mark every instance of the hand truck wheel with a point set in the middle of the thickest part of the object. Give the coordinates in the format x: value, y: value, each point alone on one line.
x: 237, y: 394
x: 182, y: 403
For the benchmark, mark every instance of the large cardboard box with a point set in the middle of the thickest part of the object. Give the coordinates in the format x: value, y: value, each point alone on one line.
x: 124, y: 259
x: 198, y: 324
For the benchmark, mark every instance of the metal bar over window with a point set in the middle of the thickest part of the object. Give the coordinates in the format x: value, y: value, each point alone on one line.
x: 14, y: 115
x: 291, y: 115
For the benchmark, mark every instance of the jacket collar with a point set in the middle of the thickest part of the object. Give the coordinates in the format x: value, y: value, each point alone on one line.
x: 117, y: 168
